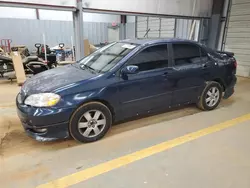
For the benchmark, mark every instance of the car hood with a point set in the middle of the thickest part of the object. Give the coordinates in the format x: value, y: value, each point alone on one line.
x: 52, y: 79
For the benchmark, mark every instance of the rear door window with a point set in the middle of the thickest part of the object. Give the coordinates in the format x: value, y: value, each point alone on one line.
x: 186, y: 54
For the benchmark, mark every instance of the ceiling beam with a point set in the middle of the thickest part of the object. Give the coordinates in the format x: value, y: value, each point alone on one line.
x: 103, y: 11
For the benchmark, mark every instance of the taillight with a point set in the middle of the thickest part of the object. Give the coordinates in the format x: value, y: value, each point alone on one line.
x: 235, y: 64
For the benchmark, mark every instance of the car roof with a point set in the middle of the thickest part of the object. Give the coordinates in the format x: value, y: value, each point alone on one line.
x: 144, y: 41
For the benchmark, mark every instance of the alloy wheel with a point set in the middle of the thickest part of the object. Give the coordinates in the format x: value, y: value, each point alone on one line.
x: 92, y: 123
x: 212, y: 97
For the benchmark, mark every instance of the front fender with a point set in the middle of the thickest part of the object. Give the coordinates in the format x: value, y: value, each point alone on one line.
x: 76, y: 99
x: 108, y: 95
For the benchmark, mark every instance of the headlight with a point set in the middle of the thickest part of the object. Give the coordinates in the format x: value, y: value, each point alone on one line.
x: 42, y: 100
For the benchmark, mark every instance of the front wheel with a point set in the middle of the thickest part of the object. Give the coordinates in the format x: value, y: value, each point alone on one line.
x: 90, y: 122
x: 211, y: 96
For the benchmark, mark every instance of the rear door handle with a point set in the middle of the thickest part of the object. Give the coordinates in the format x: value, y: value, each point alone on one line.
x: 204, y: 66
x: 165, y: 74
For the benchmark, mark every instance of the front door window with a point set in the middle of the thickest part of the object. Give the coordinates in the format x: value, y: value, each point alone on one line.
x: 151, y: 58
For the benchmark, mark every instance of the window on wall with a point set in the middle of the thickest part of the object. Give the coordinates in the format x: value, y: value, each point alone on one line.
x: 22, y: 13
x: 55, y: 15
x: 154, y: 27
x: 185, y: 54
x: 154, y: 57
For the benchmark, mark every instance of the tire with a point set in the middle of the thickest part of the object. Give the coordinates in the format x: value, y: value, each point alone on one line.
x: 213, y: 91
x: 90, y: 122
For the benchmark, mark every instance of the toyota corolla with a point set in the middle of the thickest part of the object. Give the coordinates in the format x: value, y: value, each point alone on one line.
x: 122, y: 80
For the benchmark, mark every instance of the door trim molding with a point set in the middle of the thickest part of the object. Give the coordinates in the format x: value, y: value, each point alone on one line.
x: 149, y: 97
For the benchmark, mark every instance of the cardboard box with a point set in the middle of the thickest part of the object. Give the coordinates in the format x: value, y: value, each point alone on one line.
x: 18, y: 66
x: 88, y: 48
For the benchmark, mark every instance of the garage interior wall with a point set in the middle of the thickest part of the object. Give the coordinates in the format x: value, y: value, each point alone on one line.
x: 28, y: 32
x: 56, y: 25
x: 238, y: 35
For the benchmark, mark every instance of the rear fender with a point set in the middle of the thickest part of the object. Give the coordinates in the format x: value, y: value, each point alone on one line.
x: 221, y: 82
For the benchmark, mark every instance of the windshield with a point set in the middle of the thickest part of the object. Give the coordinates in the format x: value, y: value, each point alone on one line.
x: 107, y: 57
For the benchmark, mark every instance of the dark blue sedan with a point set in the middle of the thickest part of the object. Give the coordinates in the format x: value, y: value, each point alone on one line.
x: 122, y: 80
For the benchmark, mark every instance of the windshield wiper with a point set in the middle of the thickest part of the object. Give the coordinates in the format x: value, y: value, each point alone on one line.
x: 117, y: 55
x: 88, y: 67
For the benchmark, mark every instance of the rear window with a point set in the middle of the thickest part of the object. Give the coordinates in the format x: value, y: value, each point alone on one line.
x: 212, y: 52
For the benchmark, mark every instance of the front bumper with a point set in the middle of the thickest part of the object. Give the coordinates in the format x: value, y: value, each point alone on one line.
x: 229, y: 91
x: 53, y: 132
x: 44, y: 124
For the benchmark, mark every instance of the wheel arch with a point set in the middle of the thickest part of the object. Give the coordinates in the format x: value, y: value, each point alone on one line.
x: 104, y: 102
x: 219, y: 80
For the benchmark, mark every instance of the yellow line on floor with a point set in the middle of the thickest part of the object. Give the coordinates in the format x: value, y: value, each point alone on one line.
x: 86, y: 174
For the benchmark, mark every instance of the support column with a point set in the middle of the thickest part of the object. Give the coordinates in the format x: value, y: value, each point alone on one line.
x: 37, y: 14
x: 215, y: 23
x: 123, y: 23
x: 78, y: 31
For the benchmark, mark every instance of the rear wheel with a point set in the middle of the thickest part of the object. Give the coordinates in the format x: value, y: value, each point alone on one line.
x: 90, y: 122
x: 211, y: 96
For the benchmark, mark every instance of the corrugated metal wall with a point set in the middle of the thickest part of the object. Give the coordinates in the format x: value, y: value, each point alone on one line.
x: 96, y: 32
x: 238, y: 35
x: 28, y: 32
x: 130, y: 30
x: 183, y: 27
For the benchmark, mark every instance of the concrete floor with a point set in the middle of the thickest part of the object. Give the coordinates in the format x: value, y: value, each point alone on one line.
x: 218, y: 160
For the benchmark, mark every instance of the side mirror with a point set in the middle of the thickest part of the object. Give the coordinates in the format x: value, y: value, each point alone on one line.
x: 130, y: 69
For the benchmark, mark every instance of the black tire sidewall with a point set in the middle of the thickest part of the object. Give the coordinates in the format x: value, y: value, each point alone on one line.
x: 209, y: 86
x: 73, y: 125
